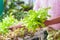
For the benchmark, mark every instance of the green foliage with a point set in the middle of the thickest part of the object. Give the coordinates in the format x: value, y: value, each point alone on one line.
x: 20, y: 15
x: 36, y: 19
x: 6, y: 22
x: 33, y: 20
x: 15, y: 7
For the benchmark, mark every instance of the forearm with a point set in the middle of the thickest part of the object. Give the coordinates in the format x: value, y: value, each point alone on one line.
x: 54, y: 21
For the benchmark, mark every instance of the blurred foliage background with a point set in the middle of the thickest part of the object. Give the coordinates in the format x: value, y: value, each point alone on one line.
x: 18, y: 8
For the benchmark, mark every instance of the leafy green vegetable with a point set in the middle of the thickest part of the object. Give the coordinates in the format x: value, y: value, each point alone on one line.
x: 6, y: 22
x: 36, y: 19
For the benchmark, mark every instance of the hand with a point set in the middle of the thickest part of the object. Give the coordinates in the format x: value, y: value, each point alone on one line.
x: 47, y: 22
x: 48, y: 27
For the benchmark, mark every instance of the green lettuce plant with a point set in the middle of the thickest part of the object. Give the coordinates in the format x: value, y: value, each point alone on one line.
x: 36, y: 19
x: 6, y: 22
